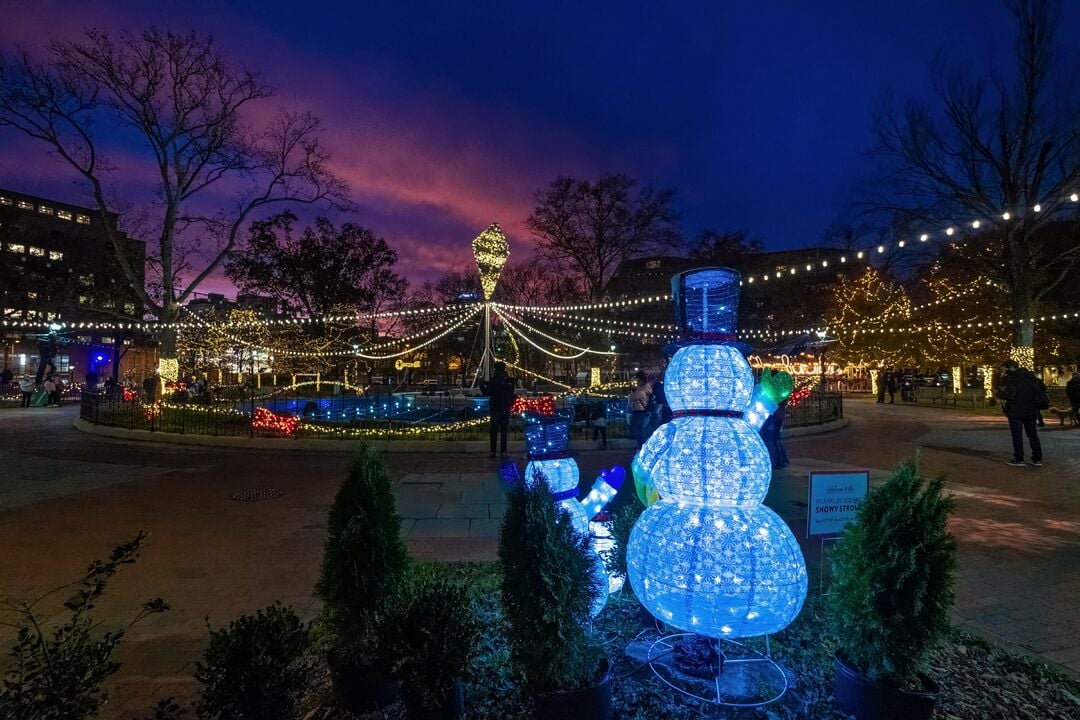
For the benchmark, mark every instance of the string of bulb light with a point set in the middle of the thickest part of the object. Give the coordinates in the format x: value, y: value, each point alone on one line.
x: 869, y: 253
x: 922, y: 328
x: 591, y: 306
x: 619, y: 323
x: 629, y: 332
x: 524, y: 324
x: 510, y: 327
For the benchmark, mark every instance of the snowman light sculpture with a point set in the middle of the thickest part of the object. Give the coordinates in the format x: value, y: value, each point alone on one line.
x: 546, y: 437
x: 708, y: 557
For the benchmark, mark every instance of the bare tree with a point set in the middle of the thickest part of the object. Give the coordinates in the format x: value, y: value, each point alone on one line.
x: 589, y: 228
x: 174, y: 96
x: 1002, y: 150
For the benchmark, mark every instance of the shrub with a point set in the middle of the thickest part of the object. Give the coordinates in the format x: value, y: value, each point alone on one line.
x: 57, y: 670
x: 363, y: 557
x: 622, y: 523
x: 244, y: 672
x: 549, y: 584
x: 893, y: 576
x: 432, y: 635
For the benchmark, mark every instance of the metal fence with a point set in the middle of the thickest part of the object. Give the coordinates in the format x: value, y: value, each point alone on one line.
x: 816, y: 409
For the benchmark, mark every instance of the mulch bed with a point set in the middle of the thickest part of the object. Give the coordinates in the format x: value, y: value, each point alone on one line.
x: 978, y: 681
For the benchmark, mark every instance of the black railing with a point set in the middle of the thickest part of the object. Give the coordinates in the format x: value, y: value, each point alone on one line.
x: 816, y: 409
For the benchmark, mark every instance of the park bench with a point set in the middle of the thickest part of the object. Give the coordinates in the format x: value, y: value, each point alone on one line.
x: 932, y: 394
x: 971, y: 396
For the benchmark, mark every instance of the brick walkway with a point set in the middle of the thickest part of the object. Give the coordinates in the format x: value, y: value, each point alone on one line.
x: 66, y: 498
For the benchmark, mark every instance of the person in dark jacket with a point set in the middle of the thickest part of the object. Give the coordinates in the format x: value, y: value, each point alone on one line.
x: 892, y: 382
x: 500, y: 391
x: 1019, y: 394
x: 1072, y: 391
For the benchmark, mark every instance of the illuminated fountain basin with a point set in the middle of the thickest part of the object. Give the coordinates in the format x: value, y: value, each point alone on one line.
x: 405, y: 407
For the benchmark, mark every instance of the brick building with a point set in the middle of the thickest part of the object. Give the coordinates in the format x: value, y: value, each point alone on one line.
x: 58, y: 268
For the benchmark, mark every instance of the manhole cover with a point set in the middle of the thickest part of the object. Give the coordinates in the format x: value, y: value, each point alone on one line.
x: 255, y: 494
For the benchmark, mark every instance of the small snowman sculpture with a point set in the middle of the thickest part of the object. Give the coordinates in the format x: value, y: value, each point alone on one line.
x: 547, y: 437
x: 707, y: 557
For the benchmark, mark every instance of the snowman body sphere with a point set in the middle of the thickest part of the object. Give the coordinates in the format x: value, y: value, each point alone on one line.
x: 708, y: 557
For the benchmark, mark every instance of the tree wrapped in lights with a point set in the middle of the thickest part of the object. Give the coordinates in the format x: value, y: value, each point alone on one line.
x: 863, y: 309
x: 708, y: 557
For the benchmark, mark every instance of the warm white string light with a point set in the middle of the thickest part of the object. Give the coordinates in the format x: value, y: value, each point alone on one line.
x: 629, y: 332
x: 524, y: 324
x: 618, y: 323
x: 591, y: 306
x: 541, y: 348
x: 919, y: 328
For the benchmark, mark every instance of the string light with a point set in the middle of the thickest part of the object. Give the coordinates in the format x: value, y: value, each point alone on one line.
x: 504, y: 316
x: 592, y: 306
x: 621, y: 323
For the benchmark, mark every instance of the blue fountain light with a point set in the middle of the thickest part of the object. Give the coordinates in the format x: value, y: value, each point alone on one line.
x: 708, y: 557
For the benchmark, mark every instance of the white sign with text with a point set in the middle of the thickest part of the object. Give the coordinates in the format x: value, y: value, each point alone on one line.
x: 835, y: 496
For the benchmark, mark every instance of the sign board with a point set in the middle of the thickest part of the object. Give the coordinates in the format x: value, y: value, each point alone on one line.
x: 400, y: 364
x: 835, y: 496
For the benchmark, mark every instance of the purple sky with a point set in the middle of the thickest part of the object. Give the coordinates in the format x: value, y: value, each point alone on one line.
x: 445, y: 117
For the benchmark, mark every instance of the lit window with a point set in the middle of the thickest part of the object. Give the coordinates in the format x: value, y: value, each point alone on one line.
x: 64, y: 215
x: 83, y: 299
x: 31, y: 295
x: 84, y: 339
x: 45, y: 210
x: 5, y: 200
x: 82, y: 219
x: 10, y: 311
x: 129, y: 308
x: 50, y: 316
x: 37, y: 252
x: 16, y: 248
x: 23, y: 205
x: 86, y: 280
x: 106, y: 340
x: 56, y: 255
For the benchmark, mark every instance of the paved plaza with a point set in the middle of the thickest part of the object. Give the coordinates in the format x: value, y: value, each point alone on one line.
x: 67, y: 498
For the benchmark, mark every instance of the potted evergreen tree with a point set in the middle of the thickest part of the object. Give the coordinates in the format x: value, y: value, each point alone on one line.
x: 363, y: 561
x: 549, y: 583
x: 891, y: 596
x: 432, y: 636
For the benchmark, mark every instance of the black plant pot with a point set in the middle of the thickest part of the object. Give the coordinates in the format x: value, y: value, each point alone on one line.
x: 452, y: 708
x: 360, y: 688
x: 591, y: 703
x: 867, y: 700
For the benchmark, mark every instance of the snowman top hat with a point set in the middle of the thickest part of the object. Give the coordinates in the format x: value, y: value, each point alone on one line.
x: 706, y: 304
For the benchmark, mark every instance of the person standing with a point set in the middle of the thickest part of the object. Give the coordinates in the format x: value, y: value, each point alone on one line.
x: 26, y: 390
x: 5, y: 378
x: 52, y: 390
x: 891, y: 383
x: 1072, y: 392
x: 500, y: 392
x: 1019, y: 394
x: 881, y: 382
x: 150, y: 385
x: 637, y: 404
x: 598, y: 419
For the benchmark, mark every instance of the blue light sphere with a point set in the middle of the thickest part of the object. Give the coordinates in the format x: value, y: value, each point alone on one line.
x: 708, y: 557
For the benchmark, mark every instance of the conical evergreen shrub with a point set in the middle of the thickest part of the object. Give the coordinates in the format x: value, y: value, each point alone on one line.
x: 894, y: 570
x: 549, y: 584
x: 364, y: 557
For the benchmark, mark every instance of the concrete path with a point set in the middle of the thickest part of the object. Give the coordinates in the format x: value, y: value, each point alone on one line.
x: 67, y: 498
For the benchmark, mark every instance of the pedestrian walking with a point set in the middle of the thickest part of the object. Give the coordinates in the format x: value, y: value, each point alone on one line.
x: 637, y: 406
x: 1072, y: 392
x: 26, y: 390
x: 1020, y: 401
x: 500, y: 391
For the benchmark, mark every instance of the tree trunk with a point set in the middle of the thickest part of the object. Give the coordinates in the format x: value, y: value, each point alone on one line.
x: 1023, y: 349
x: 168, y: 365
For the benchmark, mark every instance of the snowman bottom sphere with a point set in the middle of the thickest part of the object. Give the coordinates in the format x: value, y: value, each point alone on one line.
x: 721, y: 572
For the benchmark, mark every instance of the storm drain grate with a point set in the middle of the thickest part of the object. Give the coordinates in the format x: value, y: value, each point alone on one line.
x: 256, y: 494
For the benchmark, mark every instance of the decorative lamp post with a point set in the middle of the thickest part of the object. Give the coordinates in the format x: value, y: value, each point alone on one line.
x: 491, y: 251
